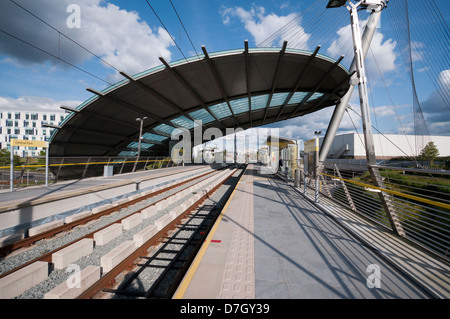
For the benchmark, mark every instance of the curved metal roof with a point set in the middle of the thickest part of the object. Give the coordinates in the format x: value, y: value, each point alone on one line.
x: 238, y: 88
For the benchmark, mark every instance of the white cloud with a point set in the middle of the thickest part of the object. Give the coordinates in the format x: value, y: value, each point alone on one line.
x: 263, y: 26
x: 444, y: 79
x: 34, y: 103
x: 303, y: 127
x: 123, y: 40
x: 380, y: 58
x: 384, y: 111
x: 118, y: 36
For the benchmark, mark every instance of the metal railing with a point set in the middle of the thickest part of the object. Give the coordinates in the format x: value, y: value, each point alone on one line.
x: 420, y: 199
x: 31, y: 171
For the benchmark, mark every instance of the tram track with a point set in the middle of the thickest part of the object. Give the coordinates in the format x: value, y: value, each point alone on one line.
x: 155, y: 269
x: 47, y: 257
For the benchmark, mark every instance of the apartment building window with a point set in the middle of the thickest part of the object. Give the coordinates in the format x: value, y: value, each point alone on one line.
x: 26, y: 123
x: 9, y: 123
x: 52, y: 117
x: 44, y: 117
x: 17, y: 116
x: 17, y: 131
x: 9, y: 116
x: 34, y: 117
x: 16, y: 123
x: 29, y: 132
x: 27, y: 116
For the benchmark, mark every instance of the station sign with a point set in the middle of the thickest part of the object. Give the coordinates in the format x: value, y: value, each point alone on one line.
x: 27, y: 143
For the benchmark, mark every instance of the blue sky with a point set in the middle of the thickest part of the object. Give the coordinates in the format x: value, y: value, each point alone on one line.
x: 128, y: 36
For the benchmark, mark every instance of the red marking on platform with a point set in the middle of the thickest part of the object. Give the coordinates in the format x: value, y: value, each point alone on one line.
x: 214, y: 241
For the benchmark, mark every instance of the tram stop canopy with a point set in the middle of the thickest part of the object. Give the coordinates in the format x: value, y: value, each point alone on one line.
x: 240, y: 88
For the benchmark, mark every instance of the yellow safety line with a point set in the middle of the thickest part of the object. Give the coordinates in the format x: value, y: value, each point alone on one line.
x: 420, y: 199
x: 193, y: 269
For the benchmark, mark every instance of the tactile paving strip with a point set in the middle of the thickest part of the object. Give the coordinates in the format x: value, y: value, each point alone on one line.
x: 239, y: 274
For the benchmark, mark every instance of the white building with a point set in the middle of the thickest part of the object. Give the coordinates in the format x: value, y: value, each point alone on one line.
x: 27, y: 125
x: 387, y: 146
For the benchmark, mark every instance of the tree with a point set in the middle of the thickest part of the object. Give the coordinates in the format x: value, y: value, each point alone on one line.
x: 429, y: 152
x: 5, y: 158
x: 41, y: 161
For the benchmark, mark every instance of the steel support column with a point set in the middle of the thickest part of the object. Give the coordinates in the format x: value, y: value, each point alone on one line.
x: 385, y: 198
x: 342, y: 105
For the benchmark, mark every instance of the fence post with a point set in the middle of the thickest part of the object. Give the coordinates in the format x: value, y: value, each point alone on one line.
x: 347, y: 193
x: 297, y: 178
x: 11, y: 177
x: 59, y: 168
x: 386, y: 201
x: 123, y: 164
x: 316, y: 191
x: 85, y: 169
x: 19, y: 181
x: 135, y: 163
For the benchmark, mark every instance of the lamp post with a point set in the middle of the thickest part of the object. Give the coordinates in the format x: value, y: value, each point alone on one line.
x: 139, y: 119
x: 316, y: 166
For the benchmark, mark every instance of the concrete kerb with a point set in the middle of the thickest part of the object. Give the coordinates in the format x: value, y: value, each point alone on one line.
x: 18, y: 282
x: 149, y: 212
x: 87, y: 277
x: 8, y: 240
x: 144, y: 235
x: 75, y: 217
x: 132, y: 221
x: 45, y: 227
x: 117, y: 255
x: 104, y: 236
x: 163, y: 221
x: 64, y: 257
x: 101, y: 208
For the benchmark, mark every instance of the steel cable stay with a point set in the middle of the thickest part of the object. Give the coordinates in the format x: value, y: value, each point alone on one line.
x: 399, y: 17
x: 291, y: 24
x: 426, y: 38
x: 392, y: 104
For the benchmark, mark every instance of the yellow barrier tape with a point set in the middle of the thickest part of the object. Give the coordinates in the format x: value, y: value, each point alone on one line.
x: 420, y: 199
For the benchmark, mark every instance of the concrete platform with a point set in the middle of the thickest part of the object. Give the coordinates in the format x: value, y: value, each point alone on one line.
x: 271, y: 242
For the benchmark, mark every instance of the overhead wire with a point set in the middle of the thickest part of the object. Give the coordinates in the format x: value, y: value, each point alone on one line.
x: 165, y: 28
x: 315, y: 26
x: 64, y: 35
x: 184, y: 28
x: 54, y: 56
